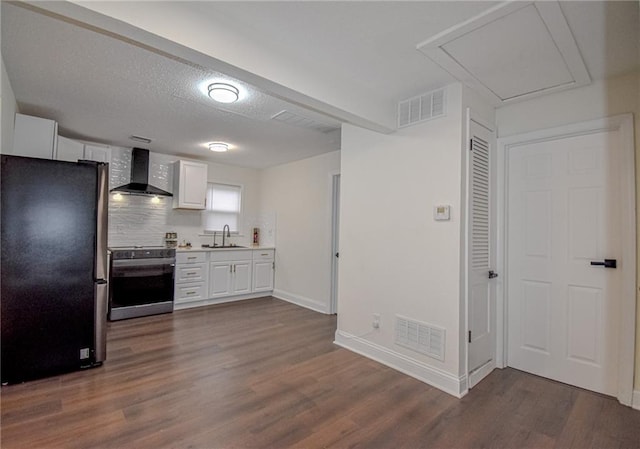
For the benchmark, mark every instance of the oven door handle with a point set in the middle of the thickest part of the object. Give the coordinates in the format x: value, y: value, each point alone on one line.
x: 143, y: 262
x: 141, y: 272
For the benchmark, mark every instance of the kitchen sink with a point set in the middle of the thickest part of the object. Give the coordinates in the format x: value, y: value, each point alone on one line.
x: 222, y: 247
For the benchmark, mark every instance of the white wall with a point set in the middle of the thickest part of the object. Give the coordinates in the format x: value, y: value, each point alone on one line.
x: 394, y: 258
x: 134, y: 220
x: 300, y: 195
x: 600, y: 99
x: 9, y: 109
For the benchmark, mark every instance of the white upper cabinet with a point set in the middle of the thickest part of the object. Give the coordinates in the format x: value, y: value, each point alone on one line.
x: 35, y: 137
x: 38, y: 137
x: 72, y: 151
x: 69, y: 150
x: 98, y: 153
x: 189, y: 185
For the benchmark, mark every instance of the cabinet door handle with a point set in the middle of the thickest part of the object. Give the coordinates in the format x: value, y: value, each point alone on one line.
x: 234, y: 268
x: 191, y: 258
x: 273, y: 265
x: 191, y: 273
x: 191, y: 293
x: 264, y: 254
x: 230, y: 268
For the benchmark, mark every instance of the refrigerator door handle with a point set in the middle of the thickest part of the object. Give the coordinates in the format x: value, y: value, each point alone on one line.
x: 100, y: 319
x: 102, y: 206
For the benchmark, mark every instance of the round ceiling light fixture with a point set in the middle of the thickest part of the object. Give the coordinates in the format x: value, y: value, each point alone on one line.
x: 219, y: 147
x: 223, y: 93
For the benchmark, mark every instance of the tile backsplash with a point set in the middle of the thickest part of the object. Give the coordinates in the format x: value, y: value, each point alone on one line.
x: 136, y: 220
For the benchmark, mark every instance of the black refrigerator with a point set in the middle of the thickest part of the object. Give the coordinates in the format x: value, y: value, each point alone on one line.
x: 53, y: 278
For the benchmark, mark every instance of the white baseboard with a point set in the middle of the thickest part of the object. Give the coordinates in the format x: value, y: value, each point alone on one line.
x: 449, y: 383
x: 480, y: 373
x: 635, y: 403
x: 302, y: 301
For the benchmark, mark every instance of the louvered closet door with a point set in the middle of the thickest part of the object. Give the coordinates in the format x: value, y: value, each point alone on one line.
x: 481, y: 251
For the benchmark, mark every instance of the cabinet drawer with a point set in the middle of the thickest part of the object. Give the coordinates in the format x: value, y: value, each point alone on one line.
x: 191, y: 292
x: 191, y: 272
x: 263, y: 254
x: 223, y: 255
x: 189, y: 257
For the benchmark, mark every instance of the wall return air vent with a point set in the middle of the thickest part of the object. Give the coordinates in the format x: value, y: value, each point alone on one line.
x: 423, y: 107
x: 420, y: 337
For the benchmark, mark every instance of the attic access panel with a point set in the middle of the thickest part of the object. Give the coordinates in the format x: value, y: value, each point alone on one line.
x: 511, y: 52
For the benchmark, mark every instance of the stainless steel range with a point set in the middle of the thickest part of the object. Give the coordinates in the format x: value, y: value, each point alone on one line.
x: 142, y: 281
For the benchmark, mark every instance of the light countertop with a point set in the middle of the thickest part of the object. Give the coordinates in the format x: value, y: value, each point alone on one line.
x: 233, y: 248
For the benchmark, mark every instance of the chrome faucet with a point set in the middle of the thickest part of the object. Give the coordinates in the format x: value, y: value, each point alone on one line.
x: 228, y: 234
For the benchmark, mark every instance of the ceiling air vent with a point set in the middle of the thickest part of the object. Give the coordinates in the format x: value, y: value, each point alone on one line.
x: 291, y: 118
x: 420, y: 337
x: 423, y: 107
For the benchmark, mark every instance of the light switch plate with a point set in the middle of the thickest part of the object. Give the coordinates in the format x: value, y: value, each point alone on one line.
x: 442, y: 213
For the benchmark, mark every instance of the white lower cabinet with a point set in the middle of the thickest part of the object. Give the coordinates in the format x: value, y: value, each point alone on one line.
x: 263, y: 270
x: 220, y: 274
x: 214, y: 276
x: 241, y: 277
x: 229, y: 273
x: 190, y: 292
x: 191, y: 277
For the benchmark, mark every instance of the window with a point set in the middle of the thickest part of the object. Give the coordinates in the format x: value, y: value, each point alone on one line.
x: 224, y: 207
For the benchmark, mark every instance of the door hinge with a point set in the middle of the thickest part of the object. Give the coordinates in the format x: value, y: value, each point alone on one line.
x: 470, y: 144
x: 469, y: 336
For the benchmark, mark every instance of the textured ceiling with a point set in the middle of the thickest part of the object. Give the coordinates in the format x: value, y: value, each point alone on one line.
x: 103, y: 88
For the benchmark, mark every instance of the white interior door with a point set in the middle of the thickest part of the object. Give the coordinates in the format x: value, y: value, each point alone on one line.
x: 481, y: 253
x: 564, y: 212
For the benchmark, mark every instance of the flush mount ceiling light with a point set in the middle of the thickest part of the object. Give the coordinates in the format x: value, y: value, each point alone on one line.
x: 218, y: 147
x: 224, y: 93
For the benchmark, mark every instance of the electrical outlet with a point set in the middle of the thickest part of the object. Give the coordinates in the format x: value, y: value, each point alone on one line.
x: 376, y: 321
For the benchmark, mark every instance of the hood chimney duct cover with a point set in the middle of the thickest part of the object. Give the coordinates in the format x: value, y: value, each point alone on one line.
x: 139, y: 184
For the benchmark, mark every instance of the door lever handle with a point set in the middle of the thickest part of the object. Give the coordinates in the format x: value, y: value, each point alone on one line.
x: 608, y: 263
x: 492, y: 274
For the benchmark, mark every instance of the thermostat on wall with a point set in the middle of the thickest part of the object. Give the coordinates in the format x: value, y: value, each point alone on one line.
x: 441, y: 213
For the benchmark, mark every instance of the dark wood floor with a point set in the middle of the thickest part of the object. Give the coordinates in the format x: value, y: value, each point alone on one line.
x: 265, y: 374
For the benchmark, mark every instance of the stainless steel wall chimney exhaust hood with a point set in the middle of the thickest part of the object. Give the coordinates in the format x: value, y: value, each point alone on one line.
x: 139, y: 184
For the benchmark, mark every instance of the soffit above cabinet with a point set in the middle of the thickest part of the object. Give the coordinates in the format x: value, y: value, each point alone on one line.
x: 512, y: 52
